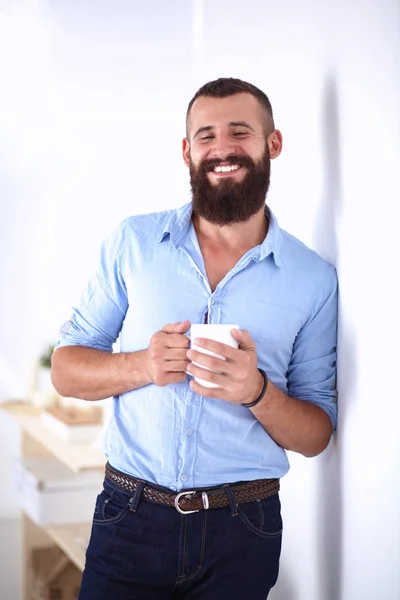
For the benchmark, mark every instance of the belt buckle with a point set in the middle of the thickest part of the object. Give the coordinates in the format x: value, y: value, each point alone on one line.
x: 187, y: 493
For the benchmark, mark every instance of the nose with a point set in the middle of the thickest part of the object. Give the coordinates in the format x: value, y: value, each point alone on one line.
x: 222, y: 146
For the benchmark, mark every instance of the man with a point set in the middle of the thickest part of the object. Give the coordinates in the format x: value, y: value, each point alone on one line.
x: 220, y: 259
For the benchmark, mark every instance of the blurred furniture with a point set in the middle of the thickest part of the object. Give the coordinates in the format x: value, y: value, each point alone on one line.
x: 37, y: 440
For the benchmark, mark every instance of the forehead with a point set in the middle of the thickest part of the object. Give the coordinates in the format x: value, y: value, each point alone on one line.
x: 217, y: 112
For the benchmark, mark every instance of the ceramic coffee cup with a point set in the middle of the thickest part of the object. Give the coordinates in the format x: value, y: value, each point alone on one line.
x: 218, y: 332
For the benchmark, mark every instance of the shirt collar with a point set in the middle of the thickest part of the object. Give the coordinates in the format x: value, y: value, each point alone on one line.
x: 272, y: 242
x: 179, y: 223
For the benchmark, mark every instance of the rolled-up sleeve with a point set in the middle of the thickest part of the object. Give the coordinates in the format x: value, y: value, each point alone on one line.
x: 97, y: 320
x: 312, y: 369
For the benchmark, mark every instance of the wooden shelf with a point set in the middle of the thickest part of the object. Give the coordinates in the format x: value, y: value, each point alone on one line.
x: 77, y: 457
x: 72, y: 539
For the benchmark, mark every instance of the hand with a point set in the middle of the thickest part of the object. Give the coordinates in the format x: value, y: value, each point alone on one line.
x: 239, y: 380
x: 166, y: 360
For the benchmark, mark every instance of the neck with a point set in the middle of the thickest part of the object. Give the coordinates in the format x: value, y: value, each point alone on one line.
x: 236, y: 236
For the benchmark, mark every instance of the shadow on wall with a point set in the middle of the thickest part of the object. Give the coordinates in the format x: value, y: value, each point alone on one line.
x: 330, y: 497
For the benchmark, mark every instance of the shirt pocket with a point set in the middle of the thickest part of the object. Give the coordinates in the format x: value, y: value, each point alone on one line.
x: 265, y: 321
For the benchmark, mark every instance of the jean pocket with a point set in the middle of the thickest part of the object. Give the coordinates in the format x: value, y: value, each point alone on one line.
x: 111, y: 509
x: 262, y: 517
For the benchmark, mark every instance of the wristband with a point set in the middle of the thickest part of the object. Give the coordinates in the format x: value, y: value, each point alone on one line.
x: 261, y: 396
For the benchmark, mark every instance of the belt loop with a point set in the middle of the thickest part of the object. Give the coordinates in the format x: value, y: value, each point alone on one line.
x: 232, y: 500
x: 136, y: 497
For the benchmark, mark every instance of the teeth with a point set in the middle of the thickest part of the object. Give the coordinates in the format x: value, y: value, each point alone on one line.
x: 226, y: 169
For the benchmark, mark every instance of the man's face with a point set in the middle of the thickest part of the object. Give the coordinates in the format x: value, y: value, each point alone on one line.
x: 228, y: 156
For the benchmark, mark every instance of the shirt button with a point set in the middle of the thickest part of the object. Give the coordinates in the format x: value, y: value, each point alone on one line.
x: 189, y: 432
x: 184, y: 477
x: 212, y: 301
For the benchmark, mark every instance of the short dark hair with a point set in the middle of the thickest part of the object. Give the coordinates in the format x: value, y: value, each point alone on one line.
x: 228, y: 86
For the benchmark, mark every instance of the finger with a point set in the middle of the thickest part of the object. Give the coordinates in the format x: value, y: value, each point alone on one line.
x: 180, y: 327
x: 206, y: 391
x: 173, y: 378
x: 222, y: 349
x: 245, y: 340
x: 175, y: 366
x: 211, y: 376
x: 212, y: 362
x: 174, y: 340
x: 163, y: 340
x: 175, y: 354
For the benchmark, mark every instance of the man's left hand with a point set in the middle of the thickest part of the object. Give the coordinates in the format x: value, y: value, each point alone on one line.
x: 237, y: 377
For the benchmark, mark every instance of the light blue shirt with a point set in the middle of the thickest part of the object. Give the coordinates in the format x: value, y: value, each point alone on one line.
x: 152, y: 273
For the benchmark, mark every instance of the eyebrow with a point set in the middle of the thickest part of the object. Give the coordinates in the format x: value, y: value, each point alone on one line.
x: 240, y: 124
x: 201, y: 129
x: 231, y: 124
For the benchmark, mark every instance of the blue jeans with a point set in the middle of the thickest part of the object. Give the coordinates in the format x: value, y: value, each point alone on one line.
x: 142, y: 550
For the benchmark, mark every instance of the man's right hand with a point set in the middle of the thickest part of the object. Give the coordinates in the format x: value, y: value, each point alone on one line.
x: 166, y: 359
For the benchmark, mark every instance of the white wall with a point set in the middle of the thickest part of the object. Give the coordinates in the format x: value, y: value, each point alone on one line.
x: 91, y: 116
x: 11, y: 559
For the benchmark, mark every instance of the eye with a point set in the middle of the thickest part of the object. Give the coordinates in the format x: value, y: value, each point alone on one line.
x: 206, y: 137
x: 240, y: 133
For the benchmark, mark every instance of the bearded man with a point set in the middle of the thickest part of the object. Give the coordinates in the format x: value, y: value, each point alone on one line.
x: 190, y: 507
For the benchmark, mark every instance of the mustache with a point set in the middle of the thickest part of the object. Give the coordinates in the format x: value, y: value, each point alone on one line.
x: 234, y: 159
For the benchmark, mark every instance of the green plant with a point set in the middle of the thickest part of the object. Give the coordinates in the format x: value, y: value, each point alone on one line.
x: 45, y: 358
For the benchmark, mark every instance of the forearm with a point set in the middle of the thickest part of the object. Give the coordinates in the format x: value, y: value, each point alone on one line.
x: 293, y: 424
x: 91, y: 374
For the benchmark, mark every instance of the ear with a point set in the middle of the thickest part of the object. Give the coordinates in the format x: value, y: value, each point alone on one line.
x: 186, y: 151
x: 275, y: 143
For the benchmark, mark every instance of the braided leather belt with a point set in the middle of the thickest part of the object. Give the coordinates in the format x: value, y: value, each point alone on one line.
x: 189, y: 501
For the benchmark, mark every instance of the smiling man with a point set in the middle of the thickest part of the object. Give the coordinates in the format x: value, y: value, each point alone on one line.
x: 226, y: 152
x: 190, y: 507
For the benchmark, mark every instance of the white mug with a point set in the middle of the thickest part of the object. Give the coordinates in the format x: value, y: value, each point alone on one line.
x: 218, y: 332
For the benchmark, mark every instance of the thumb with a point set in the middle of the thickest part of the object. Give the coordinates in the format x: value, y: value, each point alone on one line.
x: 244, y: 338
x: 180, y: 327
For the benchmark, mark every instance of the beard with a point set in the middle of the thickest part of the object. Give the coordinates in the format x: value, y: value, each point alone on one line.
x: 228, y: 201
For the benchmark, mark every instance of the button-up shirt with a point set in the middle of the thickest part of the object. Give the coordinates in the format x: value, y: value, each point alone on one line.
x: 151, y: 273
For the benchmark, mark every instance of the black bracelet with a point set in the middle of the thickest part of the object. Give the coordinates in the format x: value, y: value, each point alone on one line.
x: 261, y: 396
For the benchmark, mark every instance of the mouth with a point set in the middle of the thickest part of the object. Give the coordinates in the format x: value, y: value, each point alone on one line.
x: 227, y: 170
